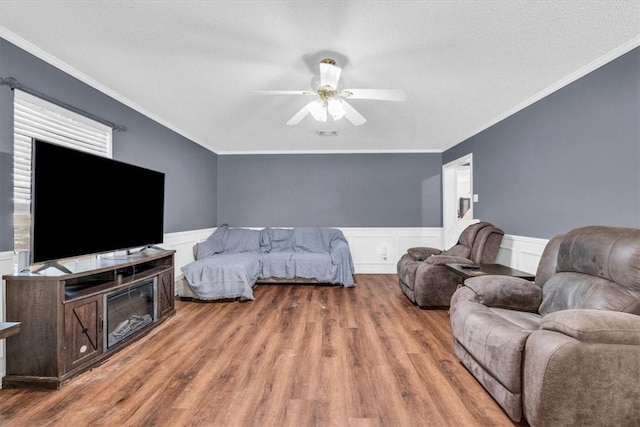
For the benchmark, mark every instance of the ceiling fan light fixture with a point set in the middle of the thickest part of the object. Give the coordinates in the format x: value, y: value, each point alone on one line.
x: 336, y: 109
x: 328, y: 86
x: 329, y: 74
x: 318, y: 110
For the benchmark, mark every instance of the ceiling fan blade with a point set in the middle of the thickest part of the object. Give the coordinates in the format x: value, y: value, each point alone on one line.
x: 352, y: 115
x: 297, y: 118
x: 378, y: 94
x: 284, y: 92
x: 329, y: 75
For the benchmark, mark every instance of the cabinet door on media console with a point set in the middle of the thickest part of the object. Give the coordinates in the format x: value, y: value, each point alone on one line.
x: 165, y: 293
x: 83, y: 331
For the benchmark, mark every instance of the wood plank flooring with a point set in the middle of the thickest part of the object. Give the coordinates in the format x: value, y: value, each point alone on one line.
x: 299, y: 355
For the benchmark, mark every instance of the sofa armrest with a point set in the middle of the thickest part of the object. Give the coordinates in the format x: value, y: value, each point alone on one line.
x: 447, y: 259
x: 595, y: 326
x: 420, y: 253
x: 340, y: 255
x: 565, y: 380
x: 338, y: 248
x: 508, y: 292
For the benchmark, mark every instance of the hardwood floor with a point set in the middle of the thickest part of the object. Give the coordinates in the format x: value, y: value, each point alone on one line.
x: 299, y: 355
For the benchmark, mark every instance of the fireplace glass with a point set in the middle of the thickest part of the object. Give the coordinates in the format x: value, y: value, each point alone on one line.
x: 129, y: 310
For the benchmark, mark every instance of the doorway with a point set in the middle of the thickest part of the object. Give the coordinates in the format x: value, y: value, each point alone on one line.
x: 457, y: 198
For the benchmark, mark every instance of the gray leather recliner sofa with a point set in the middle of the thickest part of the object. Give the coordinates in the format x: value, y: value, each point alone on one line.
x: 563, y: 350
x: 427, y: 282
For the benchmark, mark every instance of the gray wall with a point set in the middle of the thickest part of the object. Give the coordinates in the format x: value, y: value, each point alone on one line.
x: 568, y: 160
x: 571, y: 159
x: 340, y: 190
x: 191, y: 170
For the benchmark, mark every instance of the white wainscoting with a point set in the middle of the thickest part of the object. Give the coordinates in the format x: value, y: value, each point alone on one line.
x: 183, y: 242
x: 7, y: 266
x: 521, y: 253
x: 377, y: 250
x: 374, y: 250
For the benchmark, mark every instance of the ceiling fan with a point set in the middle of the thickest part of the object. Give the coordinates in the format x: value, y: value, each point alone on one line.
x: 328, y: 86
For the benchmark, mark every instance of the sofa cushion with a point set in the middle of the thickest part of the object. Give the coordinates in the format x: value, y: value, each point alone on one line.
x: 447, y: 259
x: 468, y: 235
x: 420, y: 253
x: 576, y: 290
x: 548, y: 264
x: 276, y: 239
x: 495, y: 338
x: 277, y: 263
x: 311, y: 239
x: 214, y: 243
x: 314, y: 239
x: 486, y: 245
x: 595, y: 326
x: 311, y: 265
x: 611, y: 253
x: 242, y: 240
x: 458, y: 251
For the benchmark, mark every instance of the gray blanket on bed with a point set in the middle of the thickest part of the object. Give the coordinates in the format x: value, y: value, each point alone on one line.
x: 231, y: 260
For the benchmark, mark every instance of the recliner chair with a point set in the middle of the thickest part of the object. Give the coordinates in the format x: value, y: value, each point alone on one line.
x: 425, y: 280
x: 563, y: 350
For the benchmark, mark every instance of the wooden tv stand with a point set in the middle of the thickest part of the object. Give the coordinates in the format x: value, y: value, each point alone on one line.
x: 63, y: 317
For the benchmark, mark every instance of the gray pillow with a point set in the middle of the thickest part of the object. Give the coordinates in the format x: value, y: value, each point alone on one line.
x: 277, y: 239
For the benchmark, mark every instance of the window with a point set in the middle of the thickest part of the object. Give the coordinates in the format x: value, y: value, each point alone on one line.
x: 37, y: 118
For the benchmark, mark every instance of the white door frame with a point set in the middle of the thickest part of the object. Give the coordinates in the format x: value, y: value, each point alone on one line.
x: 452, y: 226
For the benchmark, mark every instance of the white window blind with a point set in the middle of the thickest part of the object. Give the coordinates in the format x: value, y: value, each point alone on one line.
x: 37, y: 118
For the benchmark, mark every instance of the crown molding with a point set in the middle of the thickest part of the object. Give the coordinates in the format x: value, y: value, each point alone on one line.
x: 73, y: 72
x: 403, y: 151
x: 592, y: 66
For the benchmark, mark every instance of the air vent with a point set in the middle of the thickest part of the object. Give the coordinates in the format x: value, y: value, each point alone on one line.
x: 327, y: 133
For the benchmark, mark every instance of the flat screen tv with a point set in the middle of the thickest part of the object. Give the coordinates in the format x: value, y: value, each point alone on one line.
x: 84, y: 204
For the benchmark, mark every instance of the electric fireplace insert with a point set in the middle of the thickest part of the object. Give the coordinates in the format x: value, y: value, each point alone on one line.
x: 129, y: 310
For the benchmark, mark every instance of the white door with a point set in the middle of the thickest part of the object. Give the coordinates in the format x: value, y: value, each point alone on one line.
x: 457, y: 198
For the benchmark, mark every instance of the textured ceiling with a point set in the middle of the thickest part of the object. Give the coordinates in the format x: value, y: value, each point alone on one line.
x: 192, y: 65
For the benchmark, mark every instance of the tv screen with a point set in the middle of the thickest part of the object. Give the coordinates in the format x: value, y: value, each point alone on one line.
x: 84, y: 204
